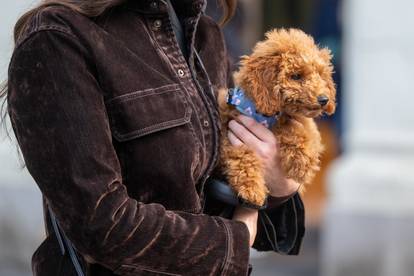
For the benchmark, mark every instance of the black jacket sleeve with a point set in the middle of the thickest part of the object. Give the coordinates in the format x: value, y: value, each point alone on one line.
x: 281, y: 226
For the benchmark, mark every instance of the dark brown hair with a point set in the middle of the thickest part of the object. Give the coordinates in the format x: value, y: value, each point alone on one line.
x: 89, y: 8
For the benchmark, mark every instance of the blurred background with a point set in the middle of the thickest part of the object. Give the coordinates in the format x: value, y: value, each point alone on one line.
x: 360, y: 210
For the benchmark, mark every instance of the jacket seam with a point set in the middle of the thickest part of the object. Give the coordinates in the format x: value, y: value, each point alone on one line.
x: 41, y: 27
x: 153, y: 128
x: 37, y: 30
x: 144, y: 92
x: 21, y: 42
x: 227, y: 256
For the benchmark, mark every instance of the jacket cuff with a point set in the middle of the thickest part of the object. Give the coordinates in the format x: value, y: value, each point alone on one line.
x: 236, y: 261
x: 281, y: 229
x: 274, y: 202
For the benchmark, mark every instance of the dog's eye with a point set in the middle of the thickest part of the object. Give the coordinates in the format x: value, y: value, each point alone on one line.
x: 296, y: 77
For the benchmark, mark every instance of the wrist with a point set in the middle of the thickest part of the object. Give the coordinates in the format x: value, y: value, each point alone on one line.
x: 249, y: 217
x: 283, y: 187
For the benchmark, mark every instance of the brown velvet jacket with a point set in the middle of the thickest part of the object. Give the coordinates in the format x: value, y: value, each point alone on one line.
x: 120, y: 133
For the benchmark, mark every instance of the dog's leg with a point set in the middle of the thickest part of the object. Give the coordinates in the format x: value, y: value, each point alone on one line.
x: 244, y: 171
x: 300, y: 149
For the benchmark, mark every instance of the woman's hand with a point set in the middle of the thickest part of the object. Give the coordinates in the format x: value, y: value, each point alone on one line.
x: 249, y: 217
x: 262, y: 141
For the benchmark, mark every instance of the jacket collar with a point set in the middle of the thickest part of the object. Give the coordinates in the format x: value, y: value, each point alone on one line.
x: 185, y: 8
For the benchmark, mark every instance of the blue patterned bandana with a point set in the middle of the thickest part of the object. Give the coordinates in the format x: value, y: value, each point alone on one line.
x: 242, y: 103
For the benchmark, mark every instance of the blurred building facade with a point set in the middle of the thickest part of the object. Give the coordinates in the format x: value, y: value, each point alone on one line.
x: 369, y: 221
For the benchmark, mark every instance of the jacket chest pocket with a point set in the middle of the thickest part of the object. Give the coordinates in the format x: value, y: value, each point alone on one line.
x: 146, y: 111
x: 157, y: 145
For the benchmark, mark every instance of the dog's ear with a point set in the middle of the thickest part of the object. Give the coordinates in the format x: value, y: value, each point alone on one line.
x: 258, y: 77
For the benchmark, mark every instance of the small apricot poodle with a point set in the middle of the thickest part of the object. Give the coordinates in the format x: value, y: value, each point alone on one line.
x: 288, y: 78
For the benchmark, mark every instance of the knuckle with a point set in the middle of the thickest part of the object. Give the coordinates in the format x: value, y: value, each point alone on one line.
x: 249, y: 140
x: 250, y: 122
x: 267, y: 151
x: 273, y: 142
x: 262, y: 153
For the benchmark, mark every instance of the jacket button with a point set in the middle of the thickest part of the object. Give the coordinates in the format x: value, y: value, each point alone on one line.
x: 157, y: 24
x: 206, y: 123
x: 181, y: 73
x: 154, y: 5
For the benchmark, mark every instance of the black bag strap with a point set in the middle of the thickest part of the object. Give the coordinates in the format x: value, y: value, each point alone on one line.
x: 65, y: 244
x: 178, y: 29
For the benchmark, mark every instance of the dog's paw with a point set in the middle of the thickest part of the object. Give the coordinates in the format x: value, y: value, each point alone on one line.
x: 256, y: 196
x: 301, y: 167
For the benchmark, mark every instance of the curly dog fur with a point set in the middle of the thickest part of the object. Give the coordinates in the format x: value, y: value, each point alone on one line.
x: 287, y: 73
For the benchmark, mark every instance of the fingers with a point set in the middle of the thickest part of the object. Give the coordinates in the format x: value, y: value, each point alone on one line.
x: 245, y: 136
x: 259, y: 130
x: 233, y: 139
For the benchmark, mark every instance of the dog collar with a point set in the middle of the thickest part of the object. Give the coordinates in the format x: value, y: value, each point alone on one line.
x: 237, y: 98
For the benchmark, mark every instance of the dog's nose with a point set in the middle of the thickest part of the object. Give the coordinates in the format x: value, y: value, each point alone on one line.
x: 323, y: 100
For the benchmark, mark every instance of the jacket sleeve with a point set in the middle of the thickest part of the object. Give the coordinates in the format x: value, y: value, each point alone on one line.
x: 281, y: 226
x: 59, y: 118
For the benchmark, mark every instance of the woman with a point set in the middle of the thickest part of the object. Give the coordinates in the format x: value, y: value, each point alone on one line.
x: 118, y: 126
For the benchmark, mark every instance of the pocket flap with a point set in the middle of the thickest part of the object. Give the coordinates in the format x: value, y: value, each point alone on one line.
x: 146, y: 111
